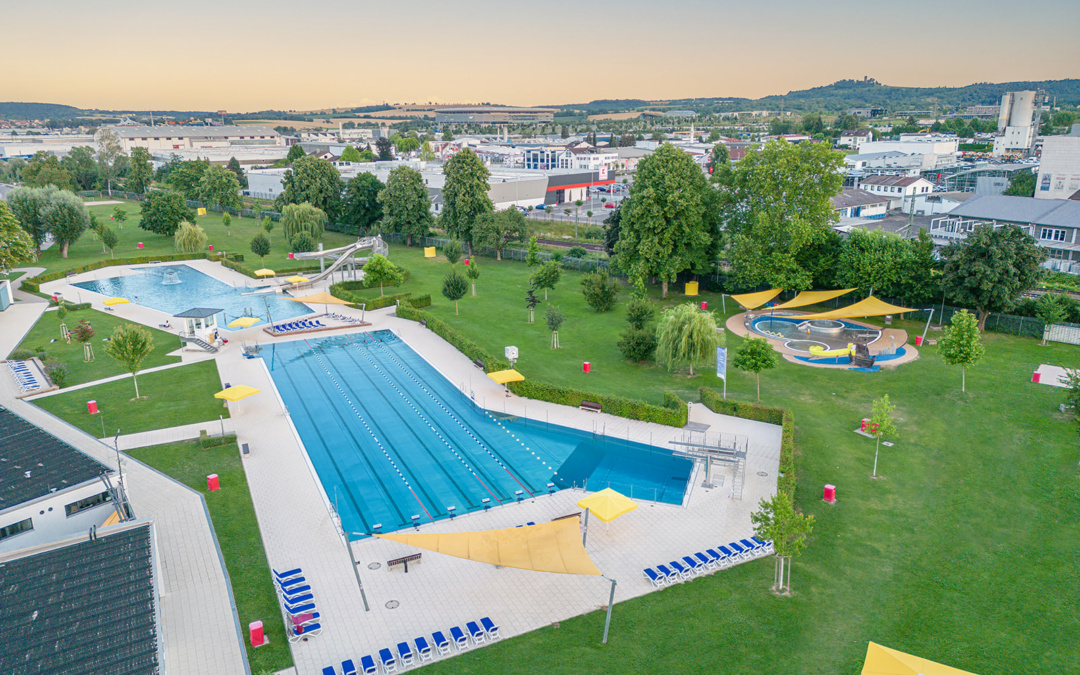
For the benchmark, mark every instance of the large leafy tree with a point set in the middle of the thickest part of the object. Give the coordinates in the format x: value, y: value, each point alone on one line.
x: 385, y: 148
x: 991, y: 268
x: 1022, y: 184
x: 775, y: 204
x: 141, y: 172
x: 219, y: 187
x: 500, y: 228
x: 361, y: 207
x: 962, y: 345
x: 111, y: 158
x: 920, y: 272
x: 234, y: 166
x: 312, y: 180
x: 667, y: 226
x: 186, y: 176
x: 873, y: 260
x: 28, y: 207
x: 67, y: 218
x: 162, y: 212
x: 686, y: 335
x: 16, y: 245
x: 82, y: 166
x: 406, y: 206
x: 465, y: 195
x: 44, y: 169
x: 351, y: 154
x: 130, y: 345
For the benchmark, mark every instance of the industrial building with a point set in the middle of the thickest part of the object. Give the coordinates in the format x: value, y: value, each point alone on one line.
x: 488, y: 115
x: 897, y: 189
x: 169, y: 138
x: 1016, y: 123
x: 934, y: 150
x: 855, y: 203
x: 1059, y: 168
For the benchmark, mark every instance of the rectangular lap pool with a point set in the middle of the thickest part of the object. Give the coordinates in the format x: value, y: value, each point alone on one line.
x: 391, y: 438
x: 175, y: 288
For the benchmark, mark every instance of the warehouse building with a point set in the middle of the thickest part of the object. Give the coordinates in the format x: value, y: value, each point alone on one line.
x: 167, y: 138
x: 488, y: 115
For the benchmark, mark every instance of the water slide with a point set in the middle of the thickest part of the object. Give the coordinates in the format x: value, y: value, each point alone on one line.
x: 821, y: 351
x: 343, y: 254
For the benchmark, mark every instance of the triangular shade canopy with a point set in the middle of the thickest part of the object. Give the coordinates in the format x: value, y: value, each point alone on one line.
x: 868, y: 307
x: 504, y: 376
x: 884, y: 661
x: 323, y: 298
x: 236, y: 393
x: 811, y: 298
x: 548, y: 547
x: 752, y: 300
x: 607, y: 505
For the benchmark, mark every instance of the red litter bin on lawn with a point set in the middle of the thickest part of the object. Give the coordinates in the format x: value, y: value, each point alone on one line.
x: 91, y: 407
x: 704, y: 306
x: 1036, y: 376
x: 255, y: 629
x: 830, y: 494
x: 918, y: 341
x: 586, y: 367
x: 212, y: 482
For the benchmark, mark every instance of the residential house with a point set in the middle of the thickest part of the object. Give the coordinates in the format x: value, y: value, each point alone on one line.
x: 898, y: 189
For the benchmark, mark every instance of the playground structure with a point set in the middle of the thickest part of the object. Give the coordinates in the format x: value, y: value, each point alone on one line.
x: 342, y: 256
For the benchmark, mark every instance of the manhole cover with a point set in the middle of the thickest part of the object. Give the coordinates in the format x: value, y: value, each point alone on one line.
x: 392, y: 604
x: 374, y: 566
x: 763, y: 473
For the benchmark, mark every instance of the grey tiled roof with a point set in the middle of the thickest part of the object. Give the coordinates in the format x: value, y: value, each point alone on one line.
x: 34, y: 463
x: 197, y: 313
x: 1057, y: 212
x: 855, y: 197
x: 85, y: 608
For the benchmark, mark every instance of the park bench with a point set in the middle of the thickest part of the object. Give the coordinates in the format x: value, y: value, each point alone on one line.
x: 591, y: 406
x: 423, y: 322
x: 244, y: 450
x: 414, y: 558
x: 479, y: 364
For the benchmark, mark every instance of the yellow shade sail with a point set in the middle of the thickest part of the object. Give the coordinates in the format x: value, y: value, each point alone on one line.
x: 752, y: 300
x: 868, y: 307
x: 607, y: 505
x: 884, y: 661
x: 548, y: 547
x: 504, y: 376
x: 265, y: 273
x: 116, y: 301
x: 321, y: 299
x: 236, y: 393
x: 295, y: 279
x: 811, y: 298
x: 245, y: 322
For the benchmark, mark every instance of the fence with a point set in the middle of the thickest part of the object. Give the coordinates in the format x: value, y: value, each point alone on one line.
x: 578, y: 264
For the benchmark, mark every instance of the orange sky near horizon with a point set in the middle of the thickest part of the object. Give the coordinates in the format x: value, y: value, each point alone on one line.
x: 242, y: 56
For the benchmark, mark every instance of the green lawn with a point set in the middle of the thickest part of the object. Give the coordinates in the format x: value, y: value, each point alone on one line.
x: 41, y: 336
x: 237, y: 530
x: 236, y: 240
x: 172, y: 397
x: 964, y: 551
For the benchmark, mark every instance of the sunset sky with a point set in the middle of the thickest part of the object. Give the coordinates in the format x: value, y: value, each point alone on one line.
x: 243, y: 55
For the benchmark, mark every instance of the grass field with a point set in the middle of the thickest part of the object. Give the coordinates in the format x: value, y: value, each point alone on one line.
x: 237, y: 530
x: 964, y: 551
x: 48, y: 328
x: 169, y: 398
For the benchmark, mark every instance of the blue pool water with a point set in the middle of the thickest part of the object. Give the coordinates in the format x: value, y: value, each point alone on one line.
x: 194, y: 290
x: 390, y: 438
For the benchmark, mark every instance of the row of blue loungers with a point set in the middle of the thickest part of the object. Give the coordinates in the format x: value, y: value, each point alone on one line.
x: 298, y: 601
x: 306, y: 324
x: 23, y: 375
x: 478, y: 634
x: 712, y: 559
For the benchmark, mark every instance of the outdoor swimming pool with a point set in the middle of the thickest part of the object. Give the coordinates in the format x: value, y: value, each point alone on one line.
x: 390, y: 438
x: 175, y: 288
x: 800, y: 334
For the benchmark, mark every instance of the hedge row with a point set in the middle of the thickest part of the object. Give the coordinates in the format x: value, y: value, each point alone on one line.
x: 422, y: 301
x: 34, y: 285
x: 761, y: 413
x: 208, y: 441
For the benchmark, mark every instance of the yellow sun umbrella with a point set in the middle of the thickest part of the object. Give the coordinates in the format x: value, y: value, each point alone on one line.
x: 884, y: 661
x: 245, y: 322
x: 116, y: 301
x: 265, y: 273
x: 236, y: 393
x: 295, y: 279
x: 504, y: 376
x: 607, y: 505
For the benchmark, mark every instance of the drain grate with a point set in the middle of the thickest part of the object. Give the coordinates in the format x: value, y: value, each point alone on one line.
x: 763, y: 473
x: 393, y: 604
x: 374, y: 566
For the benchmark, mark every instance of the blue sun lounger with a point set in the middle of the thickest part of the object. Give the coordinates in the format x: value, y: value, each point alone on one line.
x: 683, y: 572
x: 655, y: 579
x: 423, y: 650
x: 671, y: 575
x: 757, y: 546
x: 389, y: 663
x: 719, y: 560
x: 441, y: 643
x: 368, y: 664
x: 693, y: 564
x: 405, y: 653
x: 302, y: 609
x: 731, y: 556
x: 461, y: 641
x: 740, y: 550
x: 348, y: 667
x: 291, y: 574
x: 297, y: 599
x: 305, y: 631
x: 295, y: 589
x: 329, y: 670
x: 491, y: 628
x: 767, y: 544
x: 706, y: 561
x: 475, y: 632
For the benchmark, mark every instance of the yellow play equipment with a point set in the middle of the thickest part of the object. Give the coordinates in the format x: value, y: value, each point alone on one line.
x: 815, y: 350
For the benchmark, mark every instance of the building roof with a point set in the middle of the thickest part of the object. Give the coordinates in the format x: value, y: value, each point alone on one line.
x: 34, y: 463
x: 1027, y: 210
x: 856, y: 132
x: 855, y: 197
x: 492, y: 109
x: 177, y: 131
x: 83, y: 608
x: 871, y: 156
x: 896, y: 181
x: 198, y: 313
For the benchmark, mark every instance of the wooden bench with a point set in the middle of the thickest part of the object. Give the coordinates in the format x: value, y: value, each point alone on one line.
x: 479, y: 364
x: 591, y: 406
x: 414, y: 558
x: 423, y: 322
x: 569, y: 515
x: 244, y: 450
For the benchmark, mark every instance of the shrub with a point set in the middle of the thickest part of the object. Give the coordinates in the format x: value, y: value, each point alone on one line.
x: 463, y: 344
x: 21, y: 355
x: 302, y: 243
x: 58, y: 373
x: 615, y: 405
x: 422, y: 301
x: 600, y: 290
x: 577, y: 252
x: 208, y: 441
x: 639, y: 312
x: 638, y: 344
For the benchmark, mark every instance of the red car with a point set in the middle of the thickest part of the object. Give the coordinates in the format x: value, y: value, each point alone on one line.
x: 609, y: 205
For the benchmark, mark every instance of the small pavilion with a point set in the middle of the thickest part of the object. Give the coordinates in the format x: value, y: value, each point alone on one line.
x: 200, y: 327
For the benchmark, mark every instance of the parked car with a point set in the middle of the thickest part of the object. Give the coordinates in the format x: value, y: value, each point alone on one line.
x: 609, y: 205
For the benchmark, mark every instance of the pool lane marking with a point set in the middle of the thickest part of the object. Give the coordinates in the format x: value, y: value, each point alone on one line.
x: 364, y: 422
x: 452, y: 416
x: 423, y: 418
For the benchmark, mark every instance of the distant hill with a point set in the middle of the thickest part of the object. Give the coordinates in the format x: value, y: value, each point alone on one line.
x: 37, y: 111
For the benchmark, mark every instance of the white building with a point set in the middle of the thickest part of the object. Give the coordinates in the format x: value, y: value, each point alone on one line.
x: 897, y: 189
x: 1059, y: 169
x: 897, y: 162
x: 855, y: 203
x: 56, y: 144
x: 937, y: 203
x: 163, y: 139
x: 938, y: 150
x: 1016, y: 124
x: 854, y: 139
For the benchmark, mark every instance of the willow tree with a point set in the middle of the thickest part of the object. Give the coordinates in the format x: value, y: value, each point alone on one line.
x: 297, y: 218
x: 189, y: 238
x: 687, y: 335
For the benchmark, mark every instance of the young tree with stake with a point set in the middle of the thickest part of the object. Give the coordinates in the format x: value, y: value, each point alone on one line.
x: 962, y: 346
x: 777, y: 520
x: 554, y: 319
x: 454, y: 287
x: 473, y: 272
x: 755, y: 355
x: 881, y: 424
x: 130, y: 345
x: 381, y: 271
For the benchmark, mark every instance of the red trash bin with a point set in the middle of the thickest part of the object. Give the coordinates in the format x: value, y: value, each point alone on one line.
x: 255, y: 629
x: 918, y: 341
x: 212, y: 482
x: 830, y: 494
x: 704, y: 305
x: 1036, y: 376
x: 586, y: 367
x: 91, y: 407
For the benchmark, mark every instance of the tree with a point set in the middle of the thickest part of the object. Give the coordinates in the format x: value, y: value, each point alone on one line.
x: 920, y: 272
x: 379, y: 270
x: 406, y: 205
x: 754, y: 356
x: 1051, y: 308
x: 465, y: 197
x: 109, y: 238
x: 219, y: 187
x: 639, y: 312
x: 498, y: 229
x: 226, y: 220
x: 776, y: 520
x: 234, y: 166
x: 67, y: 217
x: 564, y: 132
x: 297, y: 218
x: 16, y: 245
x: 120, y: 216
x: 546, y: 277
x: 295, y: 152
x: 351, y: 154
x: 719, y: 161
x: 267, y: 225
x: 1022, y: 184
x: 811, y: 124
x: 686, y: 335
x: 28, y: 206
x: 162, y: 212
x: 872, y: 259
x: 639, y: 340
x: 472, y: 270
x: 454, y: 287
x: 360, y: 207
x: 260, y: 246
x: 189, y: 238
x: 776, y: 203
x: 302, y: 243
x: 452, y: 251
x: 80, y: 163
x: 130, y: 345
x: 667, y: 225
x: 881, y: 424
x: 991, y: 268
x: 141, y: 172
x: 1072, y: 393
x: 312, y: 180
x: 44, y: 169
x: 426, y: 153
x: 111, y: 158
x: 448, y: 135
x: 532, y: 258
x: 186, y: 176
x: 962, y: 346
x: 385, y: 149
x: 600, y: 289
x: 554, y: 318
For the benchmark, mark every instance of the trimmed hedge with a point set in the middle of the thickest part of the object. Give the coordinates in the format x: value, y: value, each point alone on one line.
x: 422, y: 301
x: 761, y: 413
x: 208, y: 441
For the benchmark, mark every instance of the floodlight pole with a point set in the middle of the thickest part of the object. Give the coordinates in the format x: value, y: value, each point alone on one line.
x: 586, y: 532
x: 352, y: 563
x: 610, y: 602
x: 927, y: 329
